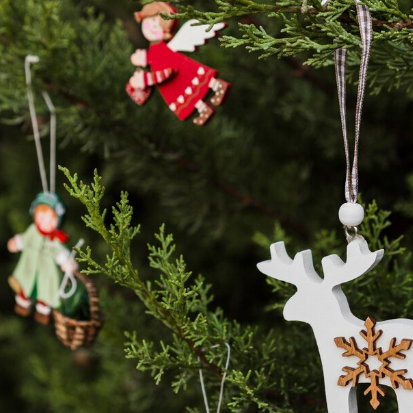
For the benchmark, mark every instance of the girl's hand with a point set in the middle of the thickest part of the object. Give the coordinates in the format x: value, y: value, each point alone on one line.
x: 11, y: 245
x: 15, y: 244
x: 70, y: 265
x: 139, y: 58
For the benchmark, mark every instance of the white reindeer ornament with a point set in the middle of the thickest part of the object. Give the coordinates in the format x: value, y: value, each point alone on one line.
x: 377, y: 354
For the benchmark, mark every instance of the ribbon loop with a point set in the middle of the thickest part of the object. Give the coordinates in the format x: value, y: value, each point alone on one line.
x: 340, y: 59
x: 30, y: 59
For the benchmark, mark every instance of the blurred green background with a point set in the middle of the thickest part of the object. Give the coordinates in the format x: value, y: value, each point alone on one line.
x: 272, y: 153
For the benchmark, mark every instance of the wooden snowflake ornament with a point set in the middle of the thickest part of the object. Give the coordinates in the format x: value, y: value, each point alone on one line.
x: 322, y: 304
x: 370, y: 353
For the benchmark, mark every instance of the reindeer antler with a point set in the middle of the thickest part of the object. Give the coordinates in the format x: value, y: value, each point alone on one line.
x: 282, y: 267
x: 359, y: 261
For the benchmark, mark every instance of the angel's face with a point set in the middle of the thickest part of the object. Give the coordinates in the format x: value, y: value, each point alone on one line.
x: 152, y: 29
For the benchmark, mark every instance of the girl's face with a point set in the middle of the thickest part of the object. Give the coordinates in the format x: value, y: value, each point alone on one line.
x: 152, y: 29
x: 45, y: 219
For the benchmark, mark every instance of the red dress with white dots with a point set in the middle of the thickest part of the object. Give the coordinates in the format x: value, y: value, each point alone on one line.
x: 190, y: 84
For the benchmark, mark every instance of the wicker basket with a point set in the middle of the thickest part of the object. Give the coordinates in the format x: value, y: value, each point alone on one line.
x: 74, y: 333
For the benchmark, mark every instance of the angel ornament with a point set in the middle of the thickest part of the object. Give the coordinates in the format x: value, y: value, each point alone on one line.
x: 183, y: 82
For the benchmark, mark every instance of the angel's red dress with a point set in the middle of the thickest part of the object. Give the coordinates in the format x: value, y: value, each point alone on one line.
x: 190, y: 84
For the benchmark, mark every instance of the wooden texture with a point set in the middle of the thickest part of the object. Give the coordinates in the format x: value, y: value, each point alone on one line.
x: 371, y: 337
x: 321, y: 303
x: 74, y: 333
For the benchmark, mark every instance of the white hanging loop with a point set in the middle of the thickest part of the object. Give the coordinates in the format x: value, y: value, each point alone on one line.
x: 221, y: 392
x: 69, y: 276
x: 52, y: 111
x: 35, y: 59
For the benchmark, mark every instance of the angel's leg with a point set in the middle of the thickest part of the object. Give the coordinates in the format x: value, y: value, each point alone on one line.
x: 205, y: 113
x: 220, y: 87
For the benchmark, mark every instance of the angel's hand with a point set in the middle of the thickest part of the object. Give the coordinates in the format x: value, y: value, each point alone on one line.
x: 137, y: 80
x: 139, y: 58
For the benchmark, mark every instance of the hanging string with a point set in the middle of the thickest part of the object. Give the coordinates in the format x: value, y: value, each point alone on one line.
x: 340, y: 58
x: 35, y: 59
x: 221, y: 392
x: 52, y: 111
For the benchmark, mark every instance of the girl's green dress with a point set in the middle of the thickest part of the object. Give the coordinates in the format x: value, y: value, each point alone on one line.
x: 37, y: 270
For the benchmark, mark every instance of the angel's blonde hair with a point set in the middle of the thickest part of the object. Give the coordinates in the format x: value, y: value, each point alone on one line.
x: 156, y: 8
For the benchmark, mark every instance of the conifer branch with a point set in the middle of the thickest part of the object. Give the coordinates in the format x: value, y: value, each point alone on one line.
x: 119, y: 267
x: 308, y: 27
x: 298, y: 10
x: 172, y: 302
x: 236, y: 8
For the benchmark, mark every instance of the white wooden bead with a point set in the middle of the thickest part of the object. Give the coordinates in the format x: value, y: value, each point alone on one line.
x: 351, y: 214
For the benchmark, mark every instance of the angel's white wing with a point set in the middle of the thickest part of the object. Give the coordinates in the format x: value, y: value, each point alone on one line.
x: 190, y: 36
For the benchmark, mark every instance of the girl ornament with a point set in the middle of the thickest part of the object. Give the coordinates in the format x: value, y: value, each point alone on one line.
x: 36, y: 276
x: 183, y: 82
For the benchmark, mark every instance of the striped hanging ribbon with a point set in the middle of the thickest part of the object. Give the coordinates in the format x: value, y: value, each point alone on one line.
x: 340, y: 58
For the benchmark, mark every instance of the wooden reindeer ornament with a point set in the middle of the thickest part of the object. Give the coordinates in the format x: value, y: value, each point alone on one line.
x: 374, y: 353
x: 377, y: 354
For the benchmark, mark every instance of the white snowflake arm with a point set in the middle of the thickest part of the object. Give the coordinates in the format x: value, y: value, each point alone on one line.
x: 189, y: 37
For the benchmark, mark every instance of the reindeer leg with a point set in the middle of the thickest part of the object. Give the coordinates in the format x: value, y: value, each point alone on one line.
x: 405, y: 401
x: 341, y: 399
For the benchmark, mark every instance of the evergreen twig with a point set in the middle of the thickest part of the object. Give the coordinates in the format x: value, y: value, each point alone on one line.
x: 119, y: 266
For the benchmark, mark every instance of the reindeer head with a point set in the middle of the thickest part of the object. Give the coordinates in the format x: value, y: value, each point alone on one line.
x: 317, y: 297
